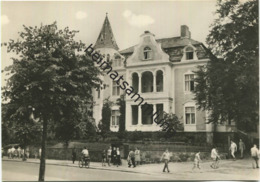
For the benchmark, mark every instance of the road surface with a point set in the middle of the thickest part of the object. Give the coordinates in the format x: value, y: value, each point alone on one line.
x: 15, y: 171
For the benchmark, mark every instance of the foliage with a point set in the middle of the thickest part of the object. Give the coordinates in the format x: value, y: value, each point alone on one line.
x: 135, y: 135
x: 104, y: 124
x: 173, y: 121
x: 51, y: 76
x: 121, y: 103
x: 22, y: 130
x: 228, y: 87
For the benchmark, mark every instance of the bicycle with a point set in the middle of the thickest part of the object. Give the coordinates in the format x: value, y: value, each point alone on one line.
x: 215, y: 165
x: 84, y: 161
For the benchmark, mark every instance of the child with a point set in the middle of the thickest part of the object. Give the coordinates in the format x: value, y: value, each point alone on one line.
x: 197, y: 161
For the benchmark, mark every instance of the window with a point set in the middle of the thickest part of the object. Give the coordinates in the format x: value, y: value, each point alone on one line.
x: 189, y: 115
x: 135, y: 82
x: 189, y: 53
x: 159, y: 81
x: 116, y: 89
x: 134, y: 114
x: 147, y: 116
x: 147, y: 53
x: 115, y: 117
x: 189, y: 82
x: 159, y: 109
x: 147, y: 82
x: 117, y: 63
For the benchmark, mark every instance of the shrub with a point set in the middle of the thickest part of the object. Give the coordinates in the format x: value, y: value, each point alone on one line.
x: 184, y: 157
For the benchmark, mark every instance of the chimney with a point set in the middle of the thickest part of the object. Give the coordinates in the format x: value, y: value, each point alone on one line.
x: 185, y: 33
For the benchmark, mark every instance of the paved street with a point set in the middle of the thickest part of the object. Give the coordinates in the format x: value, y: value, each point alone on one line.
x: 13, y: 170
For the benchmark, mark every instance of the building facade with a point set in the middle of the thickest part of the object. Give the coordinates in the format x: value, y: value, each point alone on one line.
x: 161, y: 71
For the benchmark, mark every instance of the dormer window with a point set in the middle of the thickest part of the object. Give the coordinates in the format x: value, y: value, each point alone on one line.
x: 189, y: 53
x: 147, y: 53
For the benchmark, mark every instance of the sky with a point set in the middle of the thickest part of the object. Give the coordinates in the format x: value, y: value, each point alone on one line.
x: 128, y: 19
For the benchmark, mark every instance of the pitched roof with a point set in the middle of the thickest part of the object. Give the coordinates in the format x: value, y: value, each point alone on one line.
x: 106, y: 38
x: 167, y: 43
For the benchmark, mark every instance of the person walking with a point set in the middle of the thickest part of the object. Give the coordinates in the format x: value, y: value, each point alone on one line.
x: 27, y: 151
x: 166, y: 158
x: 40, y: 153
x: 131, y: 159
x: 19, y: 152
x: 104, y: 158
x: 15, y: 153
x: 22, y: 153
x: 74, y: 155
x: 12, y: 152
x: 137, y: 156
x: 114, y: 156
x: 233, y: 149
x: 196, y: 161
x: 215, y: 157
x: 9, y: 152
x: 254, y: 155
x: 242, y: 147
x: 118, y: 157
x: 109, y: 153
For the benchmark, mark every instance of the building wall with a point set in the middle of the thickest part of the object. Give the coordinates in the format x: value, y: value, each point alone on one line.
x: 184, y: 98
x: 106, y: 92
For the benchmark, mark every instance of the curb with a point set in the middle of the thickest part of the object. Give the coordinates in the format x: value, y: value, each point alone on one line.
x: 55, y: 164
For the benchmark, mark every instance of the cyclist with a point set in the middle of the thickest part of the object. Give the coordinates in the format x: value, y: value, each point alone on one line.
x: 85, y: 155
x: 215, y: 157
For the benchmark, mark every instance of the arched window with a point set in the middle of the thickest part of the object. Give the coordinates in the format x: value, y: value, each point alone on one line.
x: 147, y: 53
x: 135, y: 80
x: 159, y: 81
x: 189, y: 53
x: 147, y: 82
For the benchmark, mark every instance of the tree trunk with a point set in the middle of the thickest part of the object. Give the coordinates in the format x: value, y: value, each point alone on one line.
x: 42, y: 163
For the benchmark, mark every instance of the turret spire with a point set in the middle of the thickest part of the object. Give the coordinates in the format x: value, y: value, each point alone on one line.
x: 106, y: 38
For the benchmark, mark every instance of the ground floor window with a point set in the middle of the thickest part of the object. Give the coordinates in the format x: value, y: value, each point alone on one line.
x: 147, y: 114
x: 159, y: 109
x: 190, y: 115
x: 134, y: 115
x: 115, y: 117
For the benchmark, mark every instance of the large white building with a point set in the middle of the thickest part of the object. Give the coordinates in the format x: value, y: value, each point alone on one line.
x: 161, y: 72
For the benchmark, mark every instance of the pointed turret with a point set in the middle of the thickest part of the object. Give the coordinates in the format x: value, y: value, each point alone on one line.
x: 106, y: 38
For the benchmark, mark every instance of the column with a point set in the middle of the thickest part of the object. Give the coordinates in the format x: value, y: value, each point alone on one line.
x: 164, y: 83
x: 154, y: 110
x: 139, y: 115
x: 154, y: 82
x: 139, y: 83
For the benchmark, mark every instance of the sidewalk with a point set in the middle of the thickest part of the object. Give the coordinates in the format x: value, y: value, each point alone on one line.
x: 182, y: 168
x: 93, y: 165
